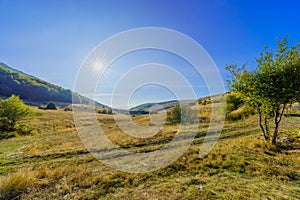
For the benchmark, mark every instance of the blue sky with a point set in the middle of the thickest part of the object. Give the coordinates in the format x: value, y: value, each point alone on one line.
x: 50, y: 39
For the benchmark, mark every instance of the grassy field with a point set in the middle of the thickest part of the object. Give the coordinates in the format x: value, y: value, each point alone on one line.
x: 52, y: 163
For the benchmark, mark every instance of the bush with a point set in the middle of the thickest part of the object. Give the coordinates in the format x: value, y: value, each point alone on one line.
x: 51, y: 106
x: 233, y: 102
x: 7, y: 135
x: 204, y: 102
x: 12, y: 110
x: 235, y: 108
x: 42, y: 107
x: 240, y: 113
x: 68, y: 109
x: 181, y: 115
x: 102, y: 111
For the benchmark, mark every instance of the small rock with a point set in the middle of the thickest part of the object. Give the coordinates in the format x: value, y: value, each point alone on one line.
x: 286, y: 139
x: 200, y: 188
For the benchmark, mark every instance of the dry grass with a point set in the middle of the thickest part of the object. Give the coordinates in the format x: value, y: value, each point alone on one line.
x: 53, y: 163
x: 12, y: 186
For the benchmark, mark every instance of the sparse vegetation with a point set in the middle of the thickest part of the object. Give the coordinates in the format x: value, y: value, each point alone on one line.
x: 53, y: 163
x: 105, y: 111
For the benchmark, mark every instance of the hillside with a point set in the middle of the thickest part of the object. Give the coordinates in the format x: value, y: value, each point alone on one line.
x: 35, y: 90
x: 165, y: 105
x: 53, y: 163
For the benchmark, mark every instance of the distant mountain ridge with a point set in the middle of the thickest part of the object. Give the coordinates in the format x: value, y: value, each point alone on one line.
x: 33, y: 89
x: 166, y: 105
x: 161, y: 105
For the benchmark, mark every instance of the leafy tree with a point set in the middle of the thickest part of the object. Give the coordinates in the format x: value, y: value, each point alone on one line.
x: 13, y: 110
x: 51, y: 106
x: 272, y: 86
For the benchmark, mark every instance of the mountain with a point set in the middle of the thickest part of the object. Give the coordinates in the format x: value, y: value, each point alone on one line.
x: 155, y: 106
x: 161, y: 105
x: 148, y: 107
x: 35, y: 90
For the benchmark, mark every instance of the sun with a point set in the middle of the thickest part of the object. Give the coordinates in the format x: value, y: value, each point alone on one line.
x: 96, y: 63
x: 98, y: 66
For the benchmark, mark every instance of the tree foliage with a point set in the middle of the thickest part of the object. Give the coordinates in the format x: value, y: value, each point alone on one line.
x: 272, y: 86
x: 13, y: 110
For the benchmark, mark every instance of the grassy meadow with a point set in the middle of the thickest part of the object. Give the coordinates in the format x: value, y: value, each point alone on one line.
x: 52, y: 163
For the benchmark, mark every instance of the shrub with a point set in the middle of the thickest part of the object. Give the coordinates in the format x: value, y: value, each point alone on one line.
x: 42, y: 107
x: 68, y: 109
x: 233, y: 102
x: 51, y: 106
x: 204, y: 102
x: 235, y: 108
x: 6, y: 135
x: 181, y: 115
x: 12, y: 110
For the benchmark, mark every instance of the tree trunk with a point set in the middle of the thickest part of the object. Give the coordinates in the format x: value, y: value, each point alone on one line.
x: 274, y: 138
x: 267, y: 127
x: 277, y: 120
x: 266, y: 138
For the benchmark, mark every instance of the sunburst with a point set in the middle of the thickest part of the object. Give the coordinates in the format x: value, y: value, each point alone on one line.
x: 97, y: 63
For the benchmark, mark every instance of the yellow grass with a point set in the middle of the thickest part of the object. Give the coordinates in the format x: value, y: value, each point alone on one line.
x: 53, y: 163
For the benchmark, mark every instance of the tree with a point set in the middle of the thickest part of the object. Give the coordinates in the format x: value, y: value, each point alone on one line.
x: 13, y: 110
x: 271, y: 87
x: 51, y: 106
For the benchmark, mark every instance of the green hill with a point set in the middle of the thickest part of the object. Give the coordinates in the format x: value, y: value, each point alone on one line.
x: 32, y: 89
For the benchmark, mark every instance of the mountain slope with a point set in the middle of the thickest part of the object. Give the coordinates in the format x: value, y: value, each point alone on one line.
x: 33, y: 89
x: 165, y: 105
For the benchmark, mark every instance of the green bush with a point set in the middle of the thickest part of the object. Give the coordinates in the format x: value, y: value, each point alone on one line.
x: 235, y: 108
x: 51, y: 106
x: 182, y: 114
x: 12, y: 110
x: 233, y: 102
x: 6, y: 135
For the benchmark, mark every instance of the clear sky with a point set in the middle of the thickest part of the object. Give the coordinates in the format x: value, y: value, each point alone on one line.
x: 51, y: 38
